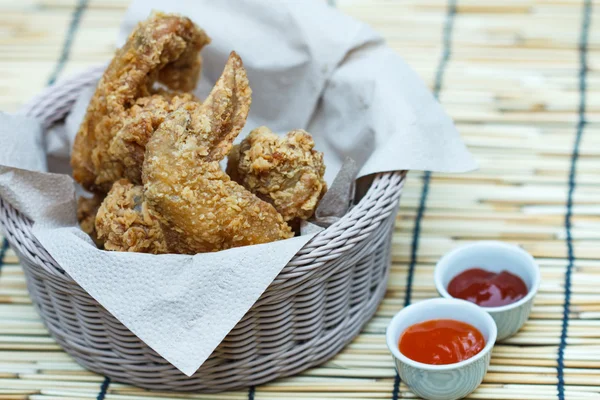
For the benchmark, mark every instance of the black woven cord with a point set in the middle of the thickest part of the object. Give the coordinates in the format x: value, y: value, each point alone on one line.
x: 583, y: 68
x: 103, y: 389
x: 439, y: 78
x: 66, y: 49
x: 64, y: 57
x: 3, y: 249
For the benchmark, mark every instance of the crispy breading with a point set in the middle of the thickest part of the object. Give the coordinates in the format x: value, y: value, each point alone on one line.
x: 199, y: 207
x: 285, y: 171
x: 87, y: 208
x: 125, y: 222
x: 129, y: 143
x: 164, y: 48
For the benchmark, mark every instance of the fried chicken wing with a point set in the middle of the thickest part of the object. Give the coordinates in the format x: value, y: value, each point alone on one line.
x: 284, y: 171
x: 125, y: 222
x: 164, y: 48
x: 199, y: 207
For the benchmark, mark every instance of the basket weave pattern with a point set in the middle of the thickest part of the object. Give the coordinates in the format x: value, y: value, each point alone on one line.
x: 315, y: 306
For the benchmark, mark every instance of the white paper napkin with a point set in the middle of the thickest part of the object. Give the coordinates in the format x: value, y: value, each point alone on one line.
x: 311, y: 66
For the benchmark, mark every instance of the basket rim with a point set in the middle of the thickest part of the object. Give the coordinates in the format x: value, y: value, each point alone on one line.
x: 55, y: 102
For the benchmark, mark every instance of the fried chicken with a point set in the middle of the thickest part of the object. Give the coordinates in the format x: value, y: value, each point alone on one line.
x: 285, y: 171
x: 127, y: 107
x: 199, y: 207
x: 135, y: 132
x: 125, y: 222
x: 87, y: 207
x: 129, y: 143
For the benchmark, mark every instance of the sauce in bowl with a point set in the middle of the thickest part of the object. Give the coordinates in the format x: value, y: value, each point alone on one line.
x: 441, y: 341
x: 486, y: 288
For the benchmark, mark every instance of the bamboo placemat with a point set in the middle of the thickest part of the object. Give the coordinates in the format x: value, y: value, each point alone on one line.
x: 520, y: 78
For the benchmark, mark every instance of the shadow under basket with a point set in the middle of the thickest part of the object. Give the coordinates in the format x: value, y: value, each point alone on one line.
x: 316, y: 305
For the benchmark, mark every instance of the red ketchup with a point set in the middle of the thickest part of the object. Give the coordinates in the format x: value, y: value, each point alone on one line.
x: 487, y: 289
x: 441, y: 341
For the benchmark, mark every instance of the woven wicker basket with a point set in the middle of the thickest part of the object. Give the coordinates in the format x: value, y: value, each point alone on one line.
x: 316, y: 305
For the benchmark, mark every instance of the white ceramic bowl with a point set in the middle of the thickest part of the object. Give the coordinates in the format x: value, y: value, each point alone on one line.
x: 495, y: 257
x: 442, y: 382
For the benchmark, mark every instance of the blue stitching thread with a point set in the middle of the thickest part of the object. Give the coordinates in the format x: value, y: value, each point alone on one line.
x: 439, y: 76
x: 66, y: 50
x: 583, y: 45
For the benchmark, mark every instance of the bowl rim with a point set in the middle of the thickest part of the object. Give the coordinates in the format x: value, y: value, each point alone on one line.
x: 444, y: 261
x: 393, y: 345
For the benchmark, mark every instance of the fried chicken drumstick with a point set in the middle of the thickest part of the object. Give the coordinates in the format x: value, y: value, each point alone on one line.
x: 285, y: 171
x: 199, y: 207
x: 126, y: 107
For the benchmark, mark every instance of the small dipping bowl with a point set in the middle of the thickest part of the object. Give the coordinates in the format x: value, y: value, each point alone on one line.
x: 495, y: 257
x: 449, y: 381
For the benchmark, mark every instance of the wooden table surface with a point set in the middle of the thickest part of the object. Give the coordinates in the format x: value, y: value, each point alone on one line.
x: 521, y: 80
